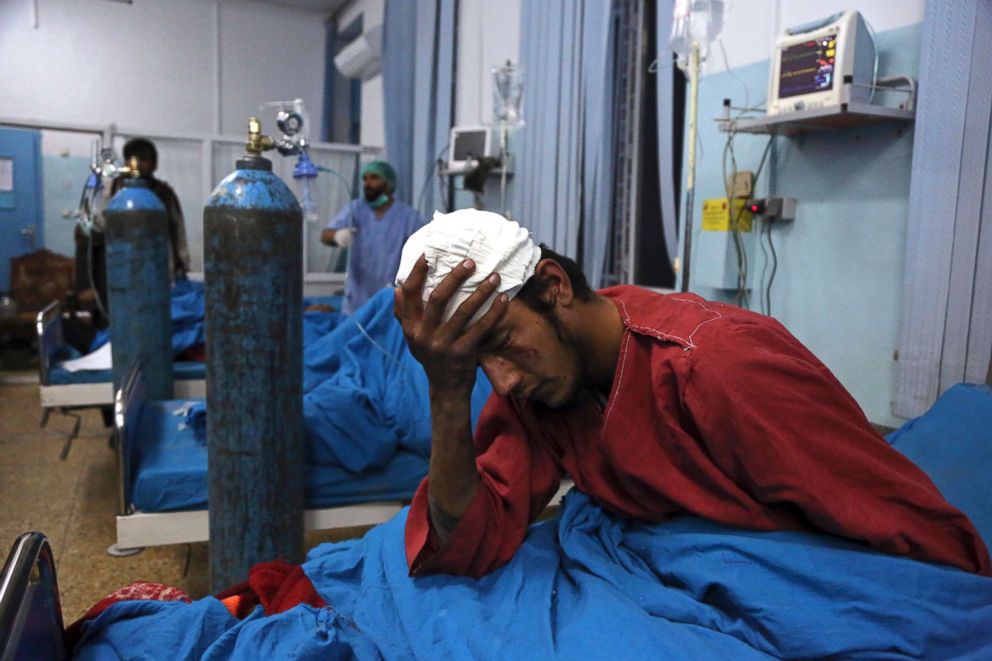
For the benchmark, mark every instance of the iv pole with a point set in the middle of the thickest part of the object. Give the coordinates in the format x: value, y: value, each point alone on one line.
x: 690, y: 186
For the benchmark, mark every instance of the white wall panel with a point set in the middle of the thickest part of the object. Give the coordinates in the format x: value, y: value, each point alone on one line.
x: 152, y: 66
x: 268, y: 54
x: 488, y: 35
x: 750, y: 27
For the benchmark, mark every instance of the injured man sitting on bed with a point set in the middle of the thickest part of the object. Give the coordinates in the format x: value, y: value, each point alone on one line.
x: 655, y: 405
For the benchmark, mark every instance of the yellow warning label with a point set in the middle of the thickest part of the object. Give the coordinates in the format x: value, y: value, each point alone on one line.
x: 716, y: 215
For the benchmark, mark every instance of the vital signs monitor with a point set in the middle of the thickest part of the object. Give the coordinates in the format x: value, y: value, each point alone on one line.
x: 811, y: 61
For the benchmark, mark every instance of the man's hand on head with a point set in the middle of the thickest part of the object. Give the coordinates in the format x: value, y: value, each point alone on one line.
x: 448, y: 350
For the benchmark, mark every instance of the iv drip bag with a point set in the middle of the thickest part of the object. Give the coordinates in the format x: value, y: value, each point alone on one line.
x: 698, y: 21
x: 508, y: 89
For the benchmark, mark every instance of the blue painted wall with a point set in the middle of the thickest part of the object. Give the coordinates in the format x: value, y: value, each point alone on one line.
x: 839, y: 282
x: 20, y: 206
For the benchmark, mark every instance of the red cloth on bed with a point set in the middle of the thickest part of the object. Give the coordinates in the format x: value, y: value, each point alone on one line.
x: 137, y: 591
x: 716, y: 412
x: 276, y: 585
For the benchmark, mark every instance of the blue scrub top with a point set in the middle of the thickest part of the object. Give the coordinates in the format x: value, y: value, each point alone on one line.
x: 375, y: 250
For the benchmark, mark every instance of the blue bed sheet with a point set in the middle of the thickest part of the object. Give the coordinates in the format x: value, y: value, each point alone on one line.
x: 593, y: 586
x: 318, y: 323
x: 169, y: 469
x: 183, y: 370
x: 952, y: 443
x: 187, y: 332
x: 187, y: 313
x: 360, y: 382
x: 366, y: 420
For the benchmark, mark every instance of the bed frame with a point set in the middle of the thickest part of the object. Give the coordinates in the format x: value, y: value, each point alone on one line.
x: 30, y: 610
x: 64, y: 398
x: 136, y: 529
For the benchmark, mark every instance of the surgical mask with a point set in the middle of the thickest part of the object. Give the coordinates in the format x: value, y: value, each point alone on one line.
x: 379, y: 201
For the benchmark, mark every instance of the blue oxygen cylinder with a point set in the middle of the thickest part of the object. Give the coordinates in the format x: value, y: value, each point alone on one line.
x: 137, y: 235
x: 253, y: 256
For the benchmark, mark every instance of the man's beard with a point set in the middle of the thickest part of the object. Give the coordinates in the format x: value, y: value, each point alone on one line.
x: 575, y: 397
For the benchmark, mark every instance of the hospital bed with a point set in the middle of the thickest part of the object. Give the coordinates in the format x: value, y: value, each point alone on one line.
x: 705, y: 570
x: 62, y: 390
x: 162, y: 479
x: 588, y: 583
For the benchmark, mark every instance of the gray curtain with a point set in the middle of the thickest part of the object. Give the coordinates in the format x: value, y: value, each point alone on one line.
x: 399, y: 37
x: 418, y: 73
x: 564, y: 158
x: 946, y: 329
x: 666, y: 128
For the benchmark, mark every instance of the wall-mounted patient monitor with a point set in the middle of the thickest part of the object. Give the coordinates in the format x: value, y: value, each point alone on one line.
x: 811, y: 61
x: 468, y: 144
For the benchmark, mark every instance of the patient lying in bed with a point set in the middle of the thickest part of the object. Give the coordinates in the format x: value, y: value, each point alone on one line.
x: 366, y: 421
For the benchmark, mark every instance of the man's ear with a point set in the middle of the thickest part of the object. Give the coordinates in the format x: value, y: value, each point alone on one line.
x: 556, y: 285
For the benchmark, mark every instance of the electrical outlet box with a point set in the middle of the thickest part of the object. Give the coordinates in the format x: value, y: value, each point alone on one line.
x: 774, y: 208
x: 742, y: 184
x: 780, y: 208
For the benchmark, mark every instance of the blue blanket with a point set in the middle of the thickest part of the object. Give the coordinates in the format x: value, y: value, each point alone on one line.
x: 182, y: 370
x: 169, y: 467
x: 952, y: 442
x: 592, y: 586
x: 188, y: 313
x: 367, y: 423
x: 360, y: 382
x: 187, y: 318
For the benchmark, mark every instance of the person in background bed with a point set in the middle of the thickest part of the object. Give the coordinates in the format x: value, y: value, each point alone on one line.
x: 655, y: 405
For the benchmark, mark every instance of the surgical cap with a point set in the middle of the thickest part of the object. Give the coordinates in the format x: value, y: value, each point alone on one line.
x: 384, y: 170
x: 495, y: 244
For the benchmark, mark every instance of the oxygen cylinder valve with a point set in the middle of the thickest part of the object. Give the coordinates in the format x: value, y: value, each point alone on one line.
x: 130, y: 170
x: 257, y: 143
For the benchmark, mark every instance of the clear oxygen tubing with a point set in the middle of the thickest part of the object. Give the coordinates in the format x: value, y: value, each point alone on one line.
x: 690, y: 186
x: 347, y: 186
x: 86, y: 202
x: 89, y: 276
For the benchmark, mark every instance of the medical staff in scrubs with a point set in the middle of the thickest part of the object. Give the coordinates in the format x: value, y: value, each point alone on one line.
x: 655, y: 405
x: 374, y: 228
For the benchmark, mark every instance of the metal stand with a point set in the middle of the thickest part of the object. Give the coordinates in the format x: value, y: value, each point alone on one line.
x: 67, y: 446
x: 690, y: 186
x: 116, y: 551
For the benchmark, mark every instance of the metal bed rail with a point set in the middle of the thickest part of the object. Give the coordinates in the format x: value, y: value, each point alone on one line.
x: 128, y: 403
x: 48, y: 325
x: 49, y: 328
x: 31, y: 624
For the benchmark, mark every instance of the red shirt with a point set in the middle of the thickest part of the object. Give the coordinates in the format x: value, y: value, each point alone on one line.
x: 716, y: 412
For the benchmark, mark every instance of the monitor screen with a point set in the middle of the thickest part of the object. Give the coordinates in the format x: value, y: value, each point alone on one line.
x: 807, y: 67
x: 469, y: 145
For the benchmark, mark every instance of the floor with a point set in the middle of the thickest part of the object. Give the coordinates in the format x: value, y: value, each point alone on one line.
x: 73, y: 502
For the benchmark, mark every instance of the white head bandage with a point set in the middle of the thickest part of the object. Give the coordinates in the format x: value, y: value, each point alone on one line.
x: 495, y: 244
